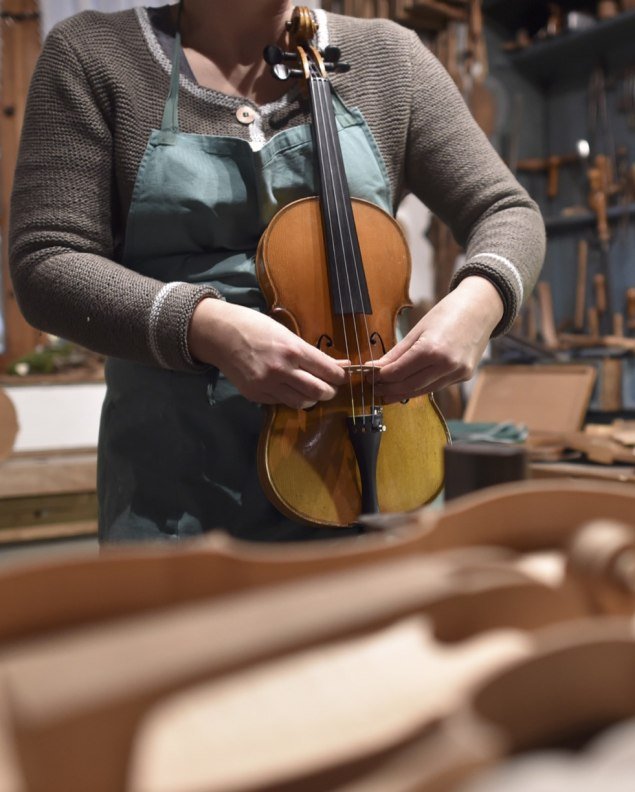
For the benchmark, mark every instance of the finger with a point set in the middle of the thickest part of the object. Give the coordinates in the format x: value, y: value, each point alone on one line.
x: 292, y: 398
x: 407, y: 365
x: 418, y: 360
x: 298, y: 390
x: 419, y: 381
x: 310, y: 387
x: 294, y: 387
x: 422, y: 382
x: 322, y: 366
x: 432, y: 387
x: 395, y: 353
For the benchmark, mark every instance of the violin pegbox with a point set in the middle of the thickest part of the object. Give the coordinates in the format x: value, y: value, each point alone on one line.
x: 305, y: 60
x: 280, y: 61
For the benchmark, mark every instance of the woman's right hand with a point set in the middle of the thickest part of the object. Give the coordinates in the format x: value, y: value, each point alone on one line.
x: 266, y: 362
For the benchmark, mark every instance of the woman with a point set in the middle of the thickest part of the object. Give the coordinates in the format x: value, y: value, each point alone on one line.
x: 138, y: 205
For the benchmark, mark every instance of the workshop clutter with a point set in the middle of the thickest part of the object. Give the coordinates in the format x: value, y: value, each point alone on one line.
x: 441, y: 645
x: 577, y: 58
x: 445, y: 650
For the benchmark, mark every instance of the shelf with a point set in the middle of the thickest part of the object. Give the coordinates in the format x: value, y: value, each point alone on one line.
x: 562, y: 224
x: 513, y: 15
x: 575, y: 51
x: 529, y: 14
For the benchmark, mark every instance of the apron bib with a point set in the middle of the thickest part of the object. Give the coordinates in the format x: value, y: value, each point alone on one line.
x: 177, y: 451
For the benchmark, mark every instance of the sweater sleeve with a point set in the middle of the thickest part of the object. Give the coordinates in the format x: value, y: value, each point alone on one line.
x: 453, y: 168
x: 61, y: 239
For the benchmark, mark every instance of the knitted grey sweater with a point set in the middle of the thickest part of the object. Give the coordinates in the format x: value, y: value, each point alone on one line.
x: 99, y: 90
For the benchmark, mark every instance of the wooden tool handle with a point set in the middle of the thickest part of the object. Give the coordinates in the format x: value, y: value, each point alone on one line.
x: 553, y: 166
x: 593, y: 321
x: 547, y: 320
x: 598, y: 203
x: 618, y: 324
x: 599, y: 283
x: 630, y: 308
x: 580, y: 290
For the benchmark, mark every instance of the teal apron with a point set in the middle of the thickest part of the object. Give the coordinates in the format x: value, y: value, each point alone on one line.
x: 177, y: 450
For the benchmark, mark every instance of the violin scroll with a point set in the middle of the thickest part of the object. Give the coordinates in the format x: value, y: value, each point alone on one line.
x: 302, y: 27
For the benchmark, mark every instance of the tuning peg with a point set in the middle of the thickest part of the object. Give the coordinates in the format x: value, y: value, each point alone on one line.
x: 282, y: 72
x: 331, y: 57
x: 274, y: 55
x: 337, y: 67
x: 331, y: 54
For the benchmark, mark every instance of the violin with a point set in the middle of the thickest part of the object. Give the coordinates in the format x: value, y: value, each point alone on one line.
x: 335, y: 270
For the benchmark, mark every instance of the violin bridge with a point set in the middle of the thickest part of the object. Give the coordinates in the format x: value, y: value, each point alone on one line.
x: 361, y: 369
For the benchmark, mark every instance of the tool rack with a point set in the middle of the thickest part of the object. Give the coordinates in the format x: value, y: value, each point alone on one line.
x: 565, y: 74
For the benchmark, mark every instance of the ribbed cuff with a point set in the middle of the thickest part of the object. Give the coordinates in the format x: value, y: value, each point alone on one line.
x: 169, y: 324
x: 509, y: 292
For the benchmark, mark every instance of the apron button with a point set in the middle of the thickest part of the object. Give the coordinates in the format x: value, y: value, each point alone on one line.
x: 245, y: 114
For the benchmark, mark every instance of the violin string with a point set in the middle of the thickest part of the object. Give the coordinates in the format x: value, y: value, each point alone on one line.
x: 352, y: 232
x: 325, y: 156
x: 338, y: 178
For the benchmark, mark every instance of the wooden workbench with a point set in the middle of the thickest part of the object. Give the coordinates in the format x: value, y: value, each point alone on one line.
x: 48, y: 495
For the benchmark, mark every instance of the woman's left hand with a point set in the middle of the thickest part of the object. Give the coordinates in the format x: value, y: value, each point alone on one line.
x: 445, y: 346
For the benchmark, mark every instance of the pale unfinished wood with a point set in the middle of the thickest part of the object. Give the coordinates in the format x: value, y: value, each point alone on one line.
x: 542, y: 397
x: 611, y: 384
x: 48, y: 473
x: 526, y: 702
x: 48, y: 509
x: 315, y: 709
x: 98, y: 669
x: 48, y: 495
x: 128, y: 665
x: 109, y: 678
x: 8, y: 428
x: 564, y: 470
x: 579, y: 681
x: 42, y: 533
x: 524, y: 517
x: 597, y: 447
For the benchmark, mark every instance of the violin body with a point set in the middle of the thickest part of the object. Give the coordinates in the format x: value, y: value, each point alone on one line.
x: 307, y: 464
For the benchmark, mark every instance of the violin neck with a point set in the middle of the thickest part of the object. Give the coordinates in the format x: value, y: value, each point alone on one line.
x: 349, y: 291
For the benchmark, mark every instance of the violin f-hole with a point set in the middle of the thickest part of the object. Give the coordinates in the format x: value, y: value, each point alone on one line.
x: 374, y: 338
x: 328, y: 341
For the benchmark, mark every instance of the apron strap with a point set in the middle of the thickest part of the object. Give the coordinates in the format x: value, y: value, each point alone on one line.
x: 170, y: 122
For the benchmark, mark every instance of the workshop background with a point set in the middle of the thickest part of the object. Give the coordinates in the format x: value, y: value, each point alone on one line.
x: 484, y: 642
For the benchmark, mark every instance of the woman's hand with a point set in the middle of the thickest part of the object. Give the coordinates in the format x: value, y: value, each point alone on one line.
x: 266, y: 362
x: 445, y: 346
